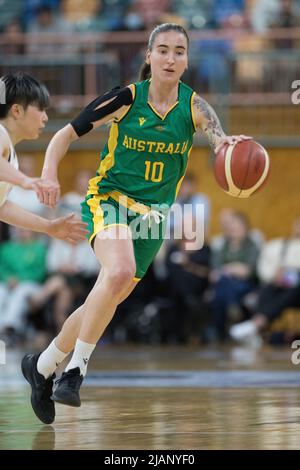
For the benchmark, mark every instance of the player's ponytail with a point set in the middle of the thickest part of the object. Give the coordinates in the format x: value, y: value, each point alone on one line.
x: 145, y: 71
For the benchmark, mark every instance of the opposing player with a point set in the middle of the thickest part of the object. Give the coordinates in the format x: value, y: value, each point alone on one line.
x: 142, y: 166
x: 23, y: 116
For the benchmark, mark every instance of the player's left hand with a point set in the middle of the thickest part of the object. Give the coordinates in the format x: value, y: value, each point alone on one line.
x: 69, y: 228
x: 231, y: 139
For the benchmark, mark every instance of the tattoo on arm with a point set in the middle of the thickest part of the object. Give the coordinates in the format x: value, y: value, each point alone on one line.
x: 212, y: 126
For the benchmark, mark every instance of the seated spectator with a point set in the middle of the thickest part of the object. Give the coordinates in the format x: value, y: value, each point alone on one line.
x: 47, y: 21
x: 146, y: 14
x: 84, y: 15
x: 215, y: 58
x: 12, y: 45
x: 278, y: 270
x: 31, y: 6
x: 187, y: 280
x: 287, y: 17
x: 22, y: 270
x: 226, y: 216
x: 233, y: 271
x: 229, y: 12
x: 196, y: 13
x: 70, y: 202
x: 266, y: 14
x: 189, y: 199
x: 72, y: 270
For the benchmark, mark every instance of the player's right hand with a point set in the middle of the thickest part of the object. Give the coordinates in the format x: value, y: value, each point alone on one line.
x: 69, y: 228
x: 48, y: 191
x: 231, y: 139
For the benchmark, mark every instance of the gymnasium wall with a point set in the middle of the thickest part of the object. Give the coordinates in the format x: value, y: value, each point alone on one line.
x: 272, y: 210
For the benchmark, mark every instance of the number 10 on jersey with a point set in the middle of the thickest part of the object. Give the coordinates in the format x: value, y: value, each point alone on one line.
x: 154, y: 171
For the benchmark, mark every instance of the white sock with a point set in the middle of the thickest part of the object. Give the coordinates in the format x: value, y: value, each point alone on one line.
x: 50, y: 359
x: 81, y: 356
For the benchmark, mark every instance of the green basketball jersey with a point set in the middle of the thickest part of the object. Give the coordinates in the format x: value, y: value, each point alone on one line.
x: 146, y: 155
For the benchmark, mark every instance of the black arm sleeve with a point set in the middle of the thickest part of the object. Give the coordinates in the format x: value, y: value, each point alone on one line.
x: 83, y: 122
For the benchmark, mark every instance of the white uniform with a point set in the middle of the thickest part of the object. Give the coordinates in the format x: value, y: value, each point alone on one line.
x: 13, y: 160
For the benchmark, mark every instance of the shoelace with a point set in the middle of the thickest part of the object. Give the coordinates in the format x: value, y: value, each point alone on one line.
x: 157, y: 216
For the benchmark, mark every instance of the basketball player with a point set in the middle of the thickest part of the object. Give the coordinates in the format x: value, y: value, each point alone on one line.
x: 22, y: 116
x: 143, y: 164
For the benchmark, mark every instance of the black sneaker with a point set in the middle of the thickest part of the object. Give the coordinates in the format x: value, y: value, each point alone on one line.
x: 41, y: 389
x: 66, y: 391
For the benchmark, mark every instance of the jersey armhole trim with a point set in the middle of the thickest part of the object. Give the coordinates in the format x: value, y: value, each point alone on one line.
x: 192, y: 110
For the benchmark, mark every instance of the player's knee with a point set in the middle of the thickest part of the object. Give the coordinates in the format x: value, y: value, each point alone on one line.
x: 120, y: 278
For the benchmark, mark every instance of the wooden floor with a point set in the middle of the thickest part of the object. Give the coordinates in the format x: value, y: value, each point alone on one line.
x: 164, y: 398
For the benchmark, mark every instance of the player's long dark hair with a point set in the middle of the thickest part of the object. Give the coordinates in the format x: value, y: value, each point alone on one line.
x: 21, y: 88
x: 145, y: 71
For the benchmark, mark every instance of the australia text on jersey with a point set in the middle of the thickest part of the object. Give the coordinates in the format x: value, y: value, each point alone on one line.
x: 154, y: 147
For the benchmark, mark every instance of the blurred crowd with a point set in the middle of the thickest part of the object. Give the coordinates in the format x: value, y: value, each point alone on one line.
x: 227, y: 60
x: 138, y: 15
x: 237, y: 284
x: 229, y: 287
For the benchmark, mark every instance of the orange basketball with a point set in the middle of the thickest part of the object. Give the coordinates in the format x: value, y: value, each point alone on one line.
x: 241, y: 169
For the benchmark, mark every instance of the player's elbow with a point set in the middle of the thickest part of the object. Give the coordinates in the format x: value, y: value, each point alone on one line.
x: 68, y: 134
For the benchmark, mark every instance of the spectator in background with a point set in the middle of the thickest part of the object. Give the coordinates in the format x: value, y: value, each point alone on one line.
x: 287, y: 17
x: 187, y: 280
x: 11, y: 31
x: 47, y: 21
x: 49, y: 36
x: 71, y: 270
x: 189, y: 199
x: 22, y: 270
x: 226, y: 217
x: 196, y: 13
x: 230, y: 12
x: 145, y: 14
x: 30, y: 7
x: 233, y: 271
x: 278, y: 270
x: 214, y: 64
x: 71, y: 201
x: 265, y: 13
x: 114, y: 13
x: 84, y: 15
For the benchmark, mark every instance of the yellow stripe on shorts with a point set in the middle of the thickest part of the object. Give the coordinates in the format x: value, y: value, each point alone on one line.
x: 94, y: 204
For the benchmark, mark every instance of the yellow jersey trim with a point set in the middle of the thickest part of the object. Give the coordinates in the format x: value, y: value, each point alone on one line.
x: 108, y: 162
x: 192, y: 110
x: 181, y: 179
x: 166, y: 114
